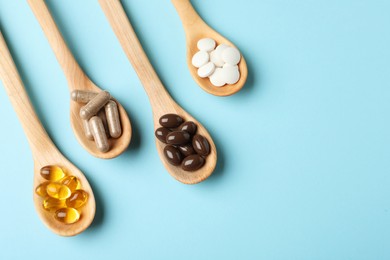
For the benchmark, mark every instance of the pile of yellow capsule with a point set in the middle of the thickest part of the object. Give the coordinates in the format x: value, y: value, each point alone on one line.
x: 61, y: 194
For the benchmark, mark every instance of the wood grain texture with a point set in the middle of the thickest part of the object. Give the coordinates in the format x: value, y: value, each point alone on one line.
x: 160, y: 100
x: 43, y: 150
x: 195, y: 29
x: 77, y: 79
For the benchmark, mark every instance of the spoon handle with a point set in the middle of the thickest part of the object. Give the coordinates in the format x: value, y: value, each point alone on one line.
x: 36, y: 134
x: 135, y: 53
x: 189, y: 17
x: 64, y: 56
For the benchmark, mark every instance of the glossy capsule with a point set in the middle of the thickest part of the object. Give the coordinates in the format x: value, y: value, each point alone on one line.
x: 58, y: 191
x: 72, y: 182
x: 173, y: 155
x: 171, y: 120
x: 201, y: 145
x: 52, y: 204
x: 187, y: 149
x: 40, y: 190
x: 161, y: 134
x: 77, y: 199
x: 67, y: 215
x: 178, y: 138
x: 189, y: 127
x: 192, y: 162
x: 52, y: 173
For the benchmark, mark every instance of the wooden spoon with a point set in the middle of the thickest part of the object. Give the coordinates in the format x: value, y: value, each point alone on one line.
x: 78, y: 80
x: 195, y: 29
x: 160, y: 100
x: 44, y: 151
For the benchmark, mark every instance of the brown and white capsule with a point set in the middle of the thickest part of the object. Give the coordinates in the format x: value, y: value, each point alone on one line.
x: 99, y: 133
x: 82, y: 96
x: 113, y: 119
x: 93, y: 106
x: 87, y: 130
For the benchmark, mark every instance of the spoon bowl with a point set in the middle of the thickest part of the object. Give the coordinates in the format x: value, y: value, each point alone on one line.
x: 196, y: 29
x: 44, y: 151
x: 78, y: 80
x: 161, y: 102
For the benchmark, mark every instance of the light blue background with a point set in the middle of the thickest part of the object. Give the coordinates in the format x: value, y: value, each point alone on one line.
x: 304, y: 148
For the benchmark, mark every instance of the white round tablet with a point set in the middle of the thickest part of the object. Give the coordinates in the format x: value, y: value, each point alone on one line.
x: 200, y: 58
x: 221, y: 47
x: 228, y: 65
x: 206, y: 44
x: 216, y: 78
x: 231, y: 55
x: 230, y: 74
x: 206, y: 70
x: 216, y: 58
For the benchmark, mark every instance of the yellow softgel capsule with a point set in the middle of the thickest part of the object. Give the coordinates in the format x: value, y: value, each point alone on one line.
x: 41, y: 189
x: 58, y: 191
x: 52, y: 173
x: 52, y: 204
x: 72, y: 182
x: 77, y: 199
x: 67, y: 215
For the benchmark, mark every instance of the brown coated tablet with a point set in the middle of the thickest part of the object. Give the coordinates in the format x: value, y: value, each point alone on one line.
x: 192, y: 162
x: 189, y: 127
x: 173, y: 155
x: 178, y: 138
x: 201, y: 145
x: 171, y: 120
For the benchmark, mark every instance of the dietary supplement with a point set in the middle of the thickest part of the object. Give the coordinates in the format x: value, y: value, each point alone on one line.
x: 184, y: 147
x: 99, y: 105
x: 61, y: 194
x: 219, y: 64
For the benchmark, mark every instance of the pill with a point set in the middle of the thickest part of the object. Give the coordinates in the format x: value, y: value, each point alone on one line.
x: 216, y: 78
x: 231, y: 55
x: 67, y: 215
x: 201, y: 145
x: 206, y: 70
x: 72, y: 182
x: 161, y: 134
x: 187, y: 149
x: 87, y: 130
x: 192, y: 162
x: 41, y: 189
x: 113, y: 119
x: 58, y: 191
x: 173, y: 155
x: 102, y: 115
x: 99, y: 133
x: 51, y: 204
x: 200, y: 58
x: 93, y: 106
x: 216, y: 58
x: 171, y: 120
x: 82, y: 96
x: 77, y: 199
x: 228, y: 65
x: 52, y: 173
x: 206, y: 44
x: 221, y: 47
x: 178, y: 137
x: 230, y: 74
x: 189, y: 127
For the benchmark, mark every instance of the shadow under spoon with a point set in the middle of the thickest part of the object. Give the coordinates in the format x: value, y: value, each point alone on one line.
x: 78, y: 80
x: 43, y: 150
x: 161, y: 102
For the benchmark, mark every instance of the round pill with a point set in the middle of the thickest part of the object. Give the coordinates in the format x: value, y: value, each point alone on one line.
x: 206, y: 70
x: 228, y: 65
x: 200, y: 58
x: 231, y: 55
x: 230, y: 74
x: 221, y: 47
x: 216, y: 78
x: 216, y: 58
x: 206, y: 44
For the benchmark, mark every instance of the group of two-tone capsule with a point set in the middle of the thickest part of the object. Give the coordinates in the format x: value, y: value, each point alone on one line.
x: 100, y: 117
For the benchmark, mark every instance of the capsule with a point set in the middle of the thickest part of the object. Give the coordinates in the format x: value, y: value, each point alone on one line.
x: 52, y: 173
x: 58, y: 191
x: 72, y: 182
x: 41, y: 189
x: 201, y: 145
x: 67, y: 215
x: 51, y: 204
x: 99, y: 134
x: 87, y: 130
x: 161, y: 134
x: 192, y: 163
x: 171, y: 120
x: 77, y: 199
x: 113, y: 119
x: 93, y: 106
x: 82, y: 96
x: 173, y: 155
x: 102, y: 115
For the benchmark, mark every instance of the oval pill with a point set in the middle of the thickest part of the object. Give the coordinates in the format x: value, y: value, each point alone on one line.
x: 178, y: 137
x: 173, y: 155
x: 216, y: 78
x: 206, y: 44
x: 192, y: 162
x: 201, y: 145
x: 206, y: 70
x: 187, y: 149
x: 171, y: 120
x: 93, y: 106
x: 67, y: 215
x: 231, y: 55
x: 189, y: 127
x: 200, y: 58
x: 161, y: 134
x: 99, y: 133
x: 113, y: 119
